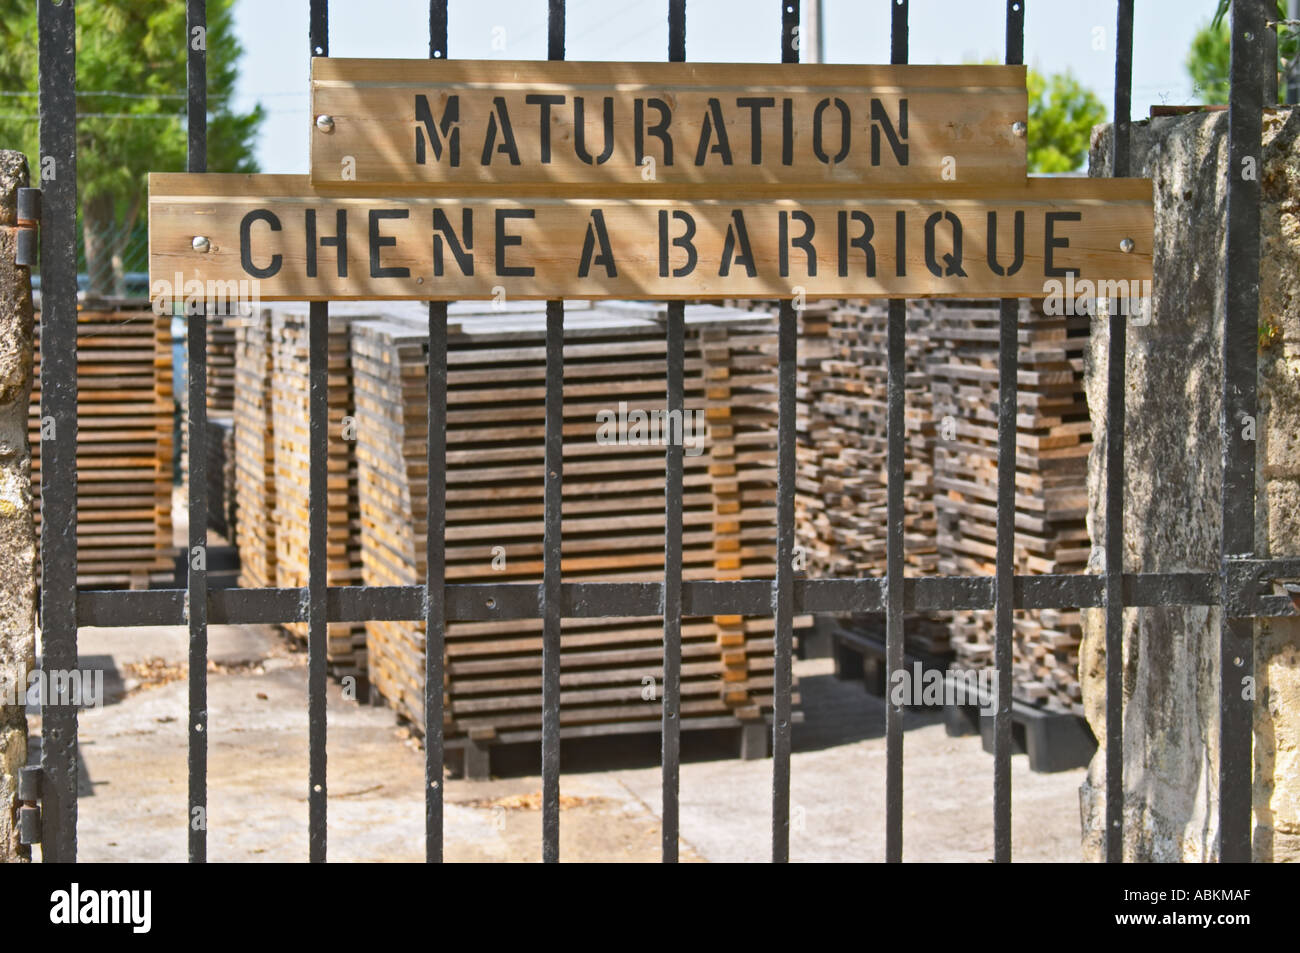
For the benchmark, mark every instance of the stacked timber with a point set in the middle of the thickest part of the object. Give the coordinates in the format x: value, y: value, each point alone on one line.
x: 854, y: 403
x: 222, y: 503
x: 811, y: 519
x: 842, y: 475
x: 220, y: 384
x: 1053, y: 439
x: 852, y: 406
x: 613, y: 507
x: 290, y: 413
x: 124, y: 446
x: 222, y: 331
x: 254, y: 453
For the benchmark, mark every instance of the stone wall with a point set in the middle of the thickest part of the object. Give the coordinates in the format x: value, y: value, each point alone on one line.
x: 1173, y: 470
x: 17, y: 538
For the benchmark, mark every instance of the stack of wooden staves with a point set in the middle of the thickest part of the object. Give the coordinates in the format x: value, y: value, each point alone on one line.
x: 812, y: 527
x: 852, y: 407
x: 852, y: 404
x: 811, y: 520
x: 222, y: 331
x: 222, y: 505
x: 1053, y: 439
x: 254, y: 453
x: 613, y: 508
x: 222, y: 489
x: 842, y: 475
x: 220, y: 400
x: 220, y: 403
x: 124, y: 446
x: 950, y: 470
x: 290, y: 413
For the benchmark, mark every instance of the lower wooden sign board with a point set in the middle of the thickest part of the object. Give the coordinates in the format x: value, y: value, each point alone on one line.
x: 300, y: 244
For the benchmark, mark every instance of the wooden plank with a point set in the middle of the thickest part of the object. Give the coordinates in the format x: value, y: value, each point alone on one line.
x: 124, y: 446
x: 612, y: 527
x: 257, y: 227
x: 462, y: 126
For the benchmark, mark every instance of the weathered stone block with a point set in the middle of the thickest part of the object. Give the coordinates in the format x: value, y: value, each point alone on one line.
x: 1173, y: 473
x: 17, y: 538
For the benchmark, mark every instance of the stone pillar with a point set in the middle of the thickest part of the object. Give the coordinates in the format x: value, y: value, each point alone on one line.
x: 1173, y: 471
x: 17, y: 538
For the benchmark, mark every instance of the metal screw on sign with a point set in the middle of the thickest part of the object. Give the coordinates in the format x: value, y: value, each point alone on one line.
x: 1019, y: 128
x: 325, y: 123
x: 1126, y: 245
x: 201, y: 244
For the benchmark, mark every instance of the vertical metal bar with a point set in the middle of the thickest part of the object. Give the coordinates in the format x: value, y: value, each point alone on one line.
x: 896, y: 360
x: 1004, y: 586
x: 551, y: 552
x: 1015, y: 40
x: 437, y: 29
x: 783, y: 585
x: 1240, y: 367
x: 551, y: 544
x: 196, y: 595
x: 1292, y: 72
x: 1123, y: 86
x: 196, y: 401
x: 196, y: 84
x: 790, y: 31
x: 319, y: 13
x: 898, y: 32
x: 317, y: 579
x: 673, y: 466
x: 677, y: 31
x: 58, y: 238
x: 672, y: 601
x: 434, y: 582
x: 555, y: 30
x: 435, y: 561
x: 1268, y: 59
x: 1117, y: 328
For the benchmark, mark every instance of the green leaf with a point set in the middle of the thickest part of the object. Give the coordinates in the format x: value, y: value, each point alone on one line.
x: 131, y: 101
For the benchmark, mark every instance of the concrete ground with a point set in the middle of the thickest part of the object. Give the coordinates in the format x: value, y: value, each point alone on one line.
x: 133, y: 804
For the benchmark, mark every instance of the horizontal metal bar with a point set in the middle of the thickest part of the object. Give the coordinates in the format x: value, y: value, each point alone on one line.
x: 465, y: 603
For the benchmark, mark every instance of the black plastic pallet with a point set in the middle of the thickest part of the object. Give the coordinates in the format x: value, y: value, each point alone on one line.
x: 1053, y: 740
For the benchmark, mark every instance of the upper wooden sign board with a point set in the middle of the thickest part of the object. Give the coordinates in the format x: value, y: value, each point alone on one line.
x: 982, y: 241
x: 658, y: 130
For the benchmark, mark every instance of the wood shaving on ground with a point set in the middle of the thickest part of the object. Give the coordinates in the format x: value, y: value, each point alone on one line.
x: 530, y: 802
x: 154, y: 672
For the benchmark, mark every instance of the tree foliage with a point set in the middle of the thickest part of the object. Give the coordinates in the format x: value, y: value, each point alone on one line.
x: 1210, y: 55
x: 1062, y: 113
x: 131, y: 99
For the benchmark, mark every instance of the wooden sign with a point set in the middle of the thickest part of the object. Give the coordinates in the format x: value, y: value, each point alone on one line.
x: 662, y: 129
x: 985, y: 241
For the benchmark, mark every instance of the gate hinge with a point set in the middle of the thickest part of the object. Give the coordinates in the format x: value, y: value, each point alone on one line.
x: 29, y: 217
x: 1249, y: 583
x: 29, y: 811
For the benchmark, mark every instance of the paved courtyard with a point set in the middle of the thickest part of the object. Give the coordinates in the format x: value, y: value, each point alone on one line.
x: 133, y: 804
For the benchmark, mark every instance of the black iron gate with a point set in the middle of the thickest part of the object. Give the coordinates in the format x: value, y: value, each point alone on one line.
x: 1237, y: 586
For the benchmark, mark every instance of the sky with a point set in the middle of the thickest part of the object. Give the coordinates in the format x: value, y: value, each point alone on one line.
x: 1075, y: 35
